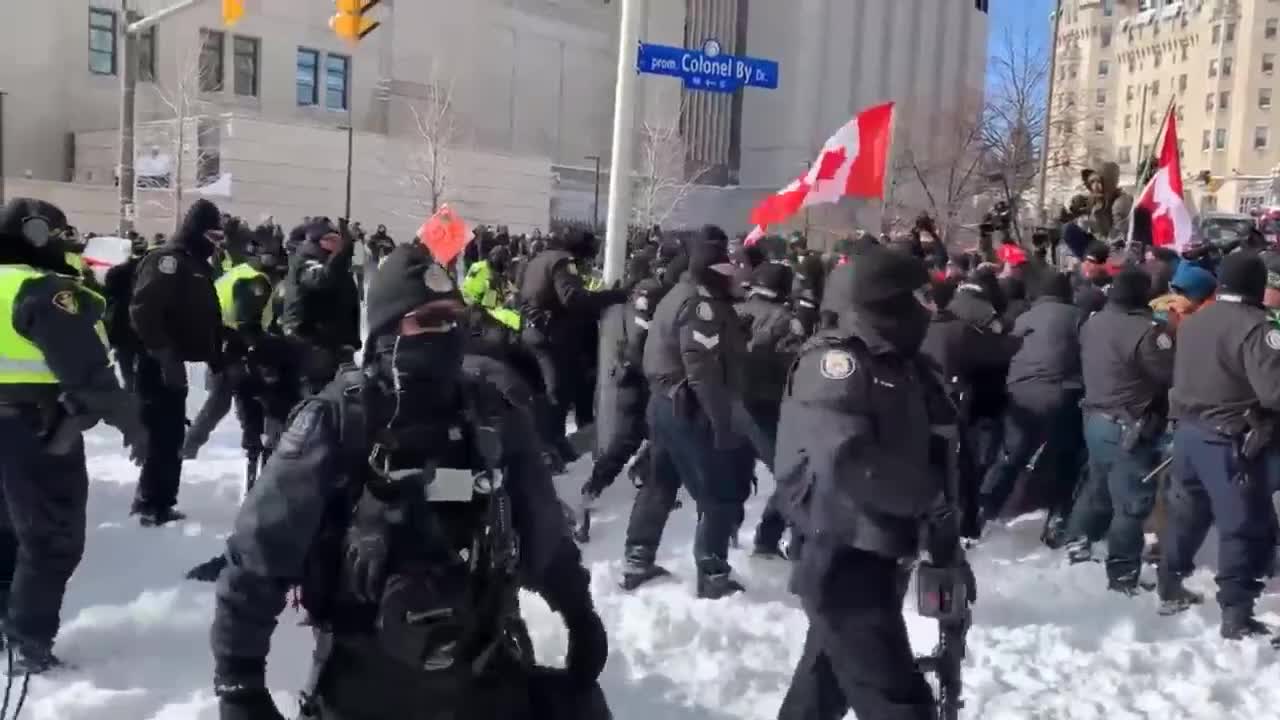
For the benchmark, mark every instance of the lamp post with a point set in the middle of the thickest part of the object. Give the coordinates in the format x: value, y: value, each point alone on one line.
x: 595, y: 204
x: 350, y: 144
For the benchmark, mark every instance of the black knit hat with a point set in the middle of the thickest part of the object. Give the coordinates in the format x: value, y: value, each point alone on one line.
x: 773, y: 278
x: 406, y: 279
x: 1244, y: 273
x: 875, y: 275
x: 709, y: 255
x: 1130, y: 288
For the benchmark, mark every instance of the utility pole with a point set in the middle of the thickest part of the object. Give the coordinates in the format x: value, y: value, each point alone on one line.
x: 595, y: 204
x: 350, y: 146
x: 624, y: 141
x: 1048, y: 114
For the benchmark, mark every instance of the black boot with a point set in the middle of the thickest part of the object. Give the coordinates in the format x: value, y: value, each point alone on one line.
x: 640, y: 568
x: 1174, y: 597
x: 33, y: 659
x: 715, y: 580
x: 156, y: 517
x: 766, y: 547
x: 1239, y: 623
x: 208, y: 570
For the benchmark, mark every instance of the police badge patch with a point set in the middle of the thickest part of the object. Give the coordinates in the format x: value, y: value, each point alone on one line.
x: 168, y: 265
x: 996, y: 327
x: 642, y: 303
x: 1273, y: 339
x: 705, y: 312
x: 837, y: 364
x: 65, y: 300
x: 437, y: 280
x: 1164, y: 342
x: 797, y: 327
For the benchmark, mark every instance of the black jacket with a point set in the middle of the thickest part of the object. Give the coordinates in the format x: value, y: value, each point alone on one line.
x: 554, y: 302
x: 174, y: 307
x: 322, y: 302
x: 774, y: 334
x: 970, y: 345
x: 1050, y: 352
x: 118, y: 290
x: 1127, y: 359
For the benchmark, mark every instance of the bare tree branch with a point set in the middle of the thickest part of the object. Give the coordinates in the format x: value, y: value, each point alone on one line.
x: 437, y: 136
x: 665, y: 175
x: 182, y: 97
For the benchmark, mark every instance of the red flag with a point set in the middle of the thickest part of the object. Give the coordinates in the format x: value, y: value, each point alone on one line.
x: 753, y: 237
x: 1170, y: 219
x: 852, y: 164
x: 444, y: 234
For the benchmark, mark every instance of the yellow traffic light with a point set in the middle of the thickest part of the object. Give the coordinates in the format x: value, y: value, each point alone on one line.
x: 351, y: 22
x: 232, y: 11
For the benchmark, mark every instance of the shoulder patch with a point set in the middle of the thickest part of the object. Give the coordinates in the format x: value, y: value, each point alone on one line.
x: 706, y: 312
x: 168, y: 265
x: 65, y: 300
x: 301, y: 425
x: 437, y: 280
x: 571, y: 268
x: 797, y: 327
x: 1164, y: 342
x: 996, y: 326
x: 258, y: 290
x: 642, y: 303
x: 1273, y: 339
x: 837, y: 364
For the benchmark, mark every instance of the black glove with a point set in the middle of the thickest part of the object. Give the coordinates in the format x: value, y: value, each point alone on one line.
x: 588, y: 646
x: 248, y: 704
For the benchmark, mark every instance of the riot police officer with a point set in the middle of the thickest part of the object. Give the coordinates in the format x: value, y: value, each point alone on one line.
x: 409, y: 501
x: 775, y: 334
x: 174, y: 310
x: 1127, y: 360
x: 555, y: 306
x: 693, y: 362
x: 1226, y: 391
x: 55, y: 381
x: 322, y: 303
x: 860, y: 472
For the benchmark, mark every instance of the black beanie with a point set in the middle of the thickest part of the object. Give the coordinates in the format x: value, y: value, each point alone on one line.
x: 1054, y: 285
x: 774, y: 278
x: 881, y: 274
x: 708, y: 255
x: 1244, y: 273
x: 1130, y: 289
x: 317, y: 229
x: 406, y: 279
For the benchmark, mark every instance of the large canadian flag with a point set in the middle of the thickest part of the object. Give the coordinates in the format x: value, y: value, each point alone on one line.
x: 851, y: 164
x: 1170, y: 219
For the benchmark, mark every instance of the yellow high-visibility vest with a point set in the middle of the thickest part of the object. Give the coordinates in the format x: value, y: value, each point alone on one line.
x: 21, y: 362
x: 225, y: 287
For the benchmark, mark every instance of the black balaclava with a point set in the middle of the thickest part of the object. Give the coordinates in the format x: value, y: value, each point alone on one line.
x: 1243, y: 273
x: 424, y: 370
x: 1130, y: 289
x: 709, y: 264
x: 876, y: 292
x: 202, y: 218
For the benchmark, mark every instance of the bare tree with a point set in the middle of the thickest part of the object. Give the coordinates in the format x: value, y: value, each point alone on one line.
x: 951, y: 173
x: 1013, y: 132
x: 665, y: 174
x: 437, y: 135
x: 182, y: 133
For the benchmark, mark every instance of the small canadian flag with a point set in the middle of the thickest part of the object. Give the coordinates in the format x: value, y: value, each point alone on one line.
x: 1170, y: 220
x: 851, y: 164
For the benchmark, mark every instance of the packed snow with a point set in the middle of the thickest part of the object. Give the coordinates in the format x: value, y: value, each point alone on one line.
x: 1047, y: 642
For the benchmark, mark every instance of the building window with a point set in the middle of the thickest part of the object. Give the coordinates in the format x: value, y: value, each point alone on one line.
x: 1108, y: 8
x: 1224, y: 99
x: 1261, y: 135
x: 212, y: 44
x: 1226, y: 67
x: 1153, y: 118
x: 1204, y: 145
x: 1220, y: 139
x: 1123, y: 155
x: 1231, y: 33
x: 1099, y: 127
x: 1178, y: 111
x: 1268, y: 62
x: 1217, y: 34
x: 1128, y: 121
x: 1185, y: 53
x: 1272, y: 29
x: 102, y: 42
x: 1133, y: 66
x: 1213, y: 68
x: 336, y: 71
x: 245, y: 51
x: 1208, y: 101
x: 1159, y: 58
x: 1128, y: 93
x: 1182, y: 83
x: 1155, y: 87
x: 1101, y: 98
x: 147, y: 55
x: 1106, y: 37
x: 308, y: 78
x: 1104, y: 68
x: 1264, y: 99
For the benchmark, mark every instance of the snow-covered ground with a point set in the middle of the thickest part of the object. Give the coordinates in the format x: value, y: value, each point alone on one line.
x: 1048, y: 641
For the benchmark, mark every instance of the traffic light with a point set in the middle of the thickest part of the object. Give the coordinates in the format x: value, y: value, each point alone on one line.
x: 232, y: 11
x: 351, y: 23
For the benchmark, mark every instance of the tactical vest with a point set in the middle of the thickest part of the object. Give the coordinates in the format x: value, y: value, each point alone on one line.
x: 422, y: 558
x: 225, y: 287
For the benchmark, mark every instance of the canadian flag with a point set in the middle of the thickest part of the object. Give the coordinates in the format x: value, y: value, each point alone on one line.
x: 852, y: 163
x: 1170, y: 219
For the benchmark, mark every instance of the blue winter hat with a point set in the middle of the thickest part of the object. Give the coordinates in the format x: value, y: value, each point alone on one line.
x: 1193, y: 281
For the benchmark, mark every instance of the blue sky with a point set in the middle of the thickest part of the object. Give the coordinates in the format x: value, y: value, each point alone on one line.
x: 1018, y: 16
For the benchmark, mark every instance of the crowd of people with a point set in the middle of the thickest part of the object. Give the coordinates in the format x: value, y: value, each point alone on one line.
x: 402, y: 420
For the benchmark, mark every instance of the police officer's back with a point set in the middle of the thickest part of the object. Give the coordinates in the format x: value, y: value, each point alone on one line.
x: 56, y: 380
x: 322, y: 302
x: 774, y: 333
x: 118, y: 291
x: 405, y: 500
x: 860, y: 473
x: 174, y: 310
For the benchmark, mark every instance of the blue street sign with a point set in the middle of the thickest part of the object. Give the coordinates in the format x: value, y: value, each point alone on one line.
x: 708, y: 68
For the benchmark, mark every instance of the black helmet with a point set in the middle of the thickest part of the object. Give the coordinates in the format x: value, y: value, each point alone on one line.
x: 34, y: 232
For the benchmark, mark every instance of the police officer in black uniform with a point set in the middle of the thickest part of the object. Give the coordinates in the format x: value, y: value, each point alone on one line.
x: 1225, y: 396
x: 806, y: 290
x: 174, y: 310
x: 861, y: 471
x: 693, y: 362
x: 117, y: 288
x: 555, y: 306
x: 774, y: 336
x: 1127, y: 359
x: 1091, y: 282
x: 409, y: 501
x: 56, y: 380
x: 322, y: 303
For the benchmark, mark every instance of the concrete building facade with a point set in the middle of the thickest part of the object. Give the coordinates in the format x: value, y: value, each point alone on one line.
x: 526, y: 82
x: 1214, y: 63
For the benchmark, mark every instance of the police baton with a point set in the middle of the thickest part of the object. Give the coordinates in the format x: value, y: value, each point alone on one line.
x: 1159, y: 469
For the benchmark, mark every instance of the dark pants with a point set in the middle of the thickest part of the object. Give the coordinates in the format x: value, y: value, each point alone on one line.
x: 654, y: 502
x: 562, y: 373
x: 1037, y: 415
x: 765, y: 415
x: 1114, y: 501
x: 715, y: 477
x: 42, y: 531
x: 629, y: 433
x: 127, y: 361
x: 857, y: 655
x: 164, y: 413
x: 1209, y: 484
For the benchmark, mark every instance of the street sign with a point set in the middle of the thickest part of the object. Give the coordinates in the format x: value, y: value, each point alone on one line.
x: 707, y: 68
